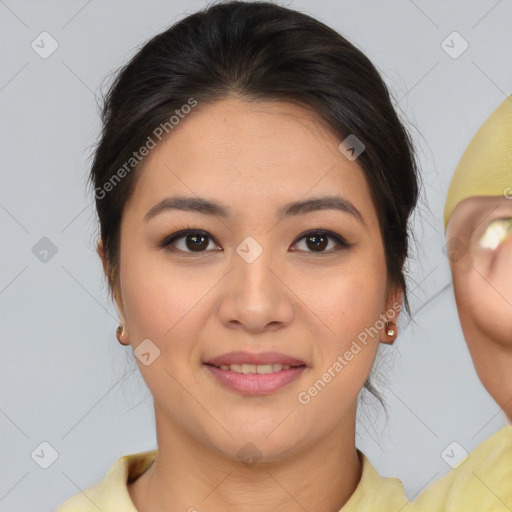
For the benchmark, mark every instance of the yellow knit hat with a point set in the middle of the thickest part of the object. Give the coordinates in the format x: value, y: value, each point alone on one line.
x: 485, y: 168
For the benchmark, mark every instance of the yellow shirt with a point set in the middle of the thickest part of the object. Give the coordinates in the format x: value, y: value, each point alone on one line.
x: 482, y: 483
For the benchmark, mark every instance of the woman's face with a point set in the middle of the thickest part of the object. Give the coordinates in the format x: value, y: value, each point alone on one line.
x: 254, y: 280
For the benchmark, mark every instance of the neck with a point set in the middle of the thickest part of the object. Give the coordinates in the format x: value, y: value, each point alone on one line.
x: 189, y: 476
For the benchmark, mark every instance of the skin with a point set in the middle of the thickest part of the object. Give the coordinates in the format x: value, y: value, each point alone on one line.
x: 254, y: 158
x: 482, y: 282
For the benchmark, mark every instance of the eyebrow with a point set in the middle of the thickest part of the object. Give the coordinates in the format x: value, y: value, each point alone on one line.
x: 207, y: 207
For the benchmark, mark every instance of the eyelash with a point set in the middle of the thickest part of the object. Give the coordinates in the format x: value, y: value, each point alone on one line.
x: 167, y: 242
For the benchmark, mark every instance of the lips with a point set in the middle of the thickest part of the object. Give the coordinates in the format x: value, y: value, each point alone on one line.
x: 251, y: 373
x: 241, y: 357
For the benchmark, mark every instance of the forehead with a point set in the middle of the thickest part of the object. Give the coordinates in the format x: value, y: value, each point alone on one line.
x: 261, y: 151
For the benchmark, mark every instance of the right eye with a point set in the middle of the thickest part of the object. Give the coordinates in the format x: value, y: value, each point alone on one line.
x: 194, y: 241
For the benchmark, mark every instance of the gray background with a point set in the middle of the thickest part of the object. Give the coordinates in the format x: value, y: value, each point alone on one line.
x: 66, y: 380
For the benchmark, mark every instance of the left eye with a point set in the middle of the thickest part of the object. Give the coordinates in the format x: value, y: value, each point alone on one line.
x: 198, y: 241
x: 319, y: 239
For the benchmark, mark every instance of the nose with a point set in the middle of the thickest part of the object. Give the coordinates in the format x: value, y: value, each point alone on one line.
x: 256, y: 297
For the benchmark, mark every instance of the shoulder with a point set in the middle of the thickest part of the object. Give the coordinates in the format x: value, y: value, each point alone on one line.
x: 483, y: 481
x: 111, y: 493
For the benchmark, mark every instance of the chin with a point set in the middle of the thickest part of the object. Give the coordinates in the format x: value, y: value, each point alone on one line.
x: 265, y: 444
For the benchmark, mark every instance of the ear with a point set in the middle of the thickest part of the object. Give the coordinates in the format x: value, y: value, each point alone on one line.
x: 117, y: 296
x: 101, y: 254
x: 394, y: 302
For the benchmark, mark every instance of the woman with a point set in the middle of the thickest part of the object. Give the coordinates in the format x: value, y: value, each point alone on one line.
x: 254, y: 228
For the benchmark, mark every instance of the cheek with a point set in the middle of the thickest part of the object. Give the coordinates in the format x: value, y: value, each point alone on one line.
x: 349, y: 305
x: 164, y: 306
x: 354, y: 296
x: 160, y: 302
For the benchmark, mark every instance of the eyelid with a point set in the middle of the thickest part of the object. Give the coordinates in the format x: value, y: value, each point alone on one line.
x: 181, y: 233
x: 340, y: 241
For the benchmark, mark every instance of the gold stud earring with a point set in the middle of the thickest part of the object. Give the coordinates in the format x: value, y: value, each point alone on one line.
x: 391, y: 330
x: 119, y: 334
